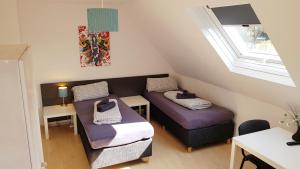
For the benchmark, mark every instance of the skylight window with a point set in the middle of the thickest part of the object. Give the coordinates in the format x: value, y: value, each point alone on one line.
x: 242, y: 42
x: 253, y: 44
x: 251, y: 39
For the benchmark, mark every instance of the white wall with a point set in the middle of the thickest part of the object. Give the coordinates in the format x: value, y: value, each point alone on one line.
x: 9, y: 29
x: 13, y: 144
x: 50, y: 27
x: 190, y: 54
x: 10, y: 48
x: 244, y: 107
x: 34, y: 130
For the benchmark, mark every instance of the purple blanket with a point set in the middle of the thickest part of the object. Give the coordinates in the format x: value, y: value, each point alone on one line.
x: 108, y: 135
x: 189, y: 119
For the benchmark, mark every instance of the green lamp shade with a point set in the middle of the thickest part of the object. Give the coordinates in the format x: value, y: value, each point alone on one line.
x: 63, y: 91
x: 102, y: 20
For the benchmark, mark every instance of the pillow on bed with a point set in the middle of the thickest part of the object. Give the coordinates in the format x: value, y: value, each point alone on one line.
x: 161, y: 84
x: 90, y: 91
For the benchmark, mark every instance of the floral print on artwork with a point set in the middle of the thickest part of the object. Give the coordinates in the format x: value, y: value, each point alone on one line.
x: 94, y: 48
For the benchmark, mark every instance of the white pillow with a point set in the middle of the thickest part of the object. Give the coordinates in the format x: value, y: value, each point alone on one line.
x: 90, y: 91
x: 161, y: 84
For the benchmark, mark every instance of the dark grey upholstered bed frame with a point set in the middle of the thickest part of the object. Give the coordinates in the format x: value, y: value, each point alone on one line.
x: 122, y: 87
x: 196, y: 137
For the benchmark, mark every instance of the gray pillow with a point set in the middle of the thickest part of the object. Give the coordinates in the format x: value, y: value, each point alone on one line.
x: 161, y: 84
x: 90, y: 91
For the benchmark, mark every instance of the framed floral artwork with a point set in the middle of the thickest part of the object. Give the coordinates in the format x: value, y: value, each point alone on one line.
x: 94, y: 48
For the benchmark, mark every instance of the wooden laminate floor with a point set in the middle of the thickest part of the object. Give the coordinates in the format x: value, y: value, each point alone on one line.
x: 64, y: 151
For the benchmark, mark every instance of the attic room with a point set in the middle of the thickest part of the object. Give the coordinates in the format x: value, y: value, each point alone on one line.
x: 139, y: 84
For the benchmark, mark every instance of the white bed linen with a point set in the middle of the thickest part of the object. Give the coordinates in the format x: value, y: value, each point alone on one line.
x: 108, y: 117
x: 127, y: 133
x: 193, y: 104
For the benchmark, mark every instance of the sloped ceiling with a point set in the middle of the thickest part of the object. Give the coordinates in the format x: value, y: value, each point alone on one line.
x: 172, y: 31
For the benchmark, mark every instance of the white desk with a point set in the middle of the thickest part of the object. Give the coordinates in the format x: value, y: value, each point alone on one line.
x: 270, y: 146
x: 59, y: 111
x: 137, y: 101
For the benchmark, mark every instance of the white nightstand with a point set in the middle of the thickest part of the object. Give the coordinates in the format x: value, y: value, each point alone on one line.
x: 59, y: 111
x: 137, y: 101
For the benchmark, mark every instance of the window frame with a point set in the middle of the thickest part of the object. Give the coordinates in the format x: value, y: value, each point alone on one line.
x: 231, y: 55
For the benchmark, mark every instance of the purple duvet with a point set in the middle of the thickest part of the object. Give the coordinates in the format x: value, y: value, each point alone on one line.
x: 189, y: 119
x: 132, y: 128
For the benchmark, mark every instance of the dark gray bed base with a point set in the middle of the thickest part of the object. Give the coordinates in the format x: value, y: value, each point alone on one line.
x: 195, y: 137
x: 92, y: 154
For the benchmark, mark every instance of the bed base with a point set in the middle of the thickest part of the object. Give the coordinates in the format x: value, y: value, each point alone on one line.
x: 195, y: 137
x: 114, y: 155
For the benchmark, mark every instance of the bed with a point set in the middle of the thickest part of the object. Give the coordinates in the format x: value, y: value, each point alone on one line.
x: 106, y: 145
x: 106, y: 152
x: 193, y: 127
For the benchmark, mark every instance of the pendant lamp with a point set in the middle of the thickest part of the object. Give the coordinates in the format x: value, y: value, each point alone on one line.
x: 102, y: 19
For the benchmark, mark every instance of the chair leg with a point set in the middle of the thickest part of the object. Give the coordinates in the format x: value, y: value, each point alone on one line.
x: 242, y: 164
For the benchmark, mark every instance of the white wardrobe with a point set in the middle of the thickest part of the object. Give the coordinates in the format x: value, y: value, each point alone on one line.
x: 16, y: 143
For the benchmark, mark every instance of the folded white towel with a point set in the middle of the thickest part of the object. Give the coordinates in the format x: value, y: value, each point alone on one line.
x: 108, y: 117
x: 193, y: 104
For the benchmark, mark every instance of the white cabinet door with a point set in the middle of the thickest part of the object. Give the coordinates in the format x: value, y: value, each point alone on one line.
x: 14, y: 148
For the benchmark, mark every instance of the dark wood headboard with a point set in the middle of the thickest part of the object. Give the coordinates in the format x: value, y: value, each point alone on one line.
x: 122, y: 87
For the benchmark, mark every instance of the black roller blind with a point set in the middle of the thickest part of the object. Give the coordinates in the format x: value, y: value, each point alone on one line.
x: 236, y: 15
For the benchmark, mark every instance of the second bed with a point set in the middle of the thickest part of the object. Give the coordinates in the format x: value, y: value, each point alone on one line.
x: 193, y: 127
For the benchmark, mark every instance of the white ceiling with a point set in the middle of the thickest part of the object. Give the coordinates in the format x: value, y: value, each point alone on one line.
x: 173, y: 32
